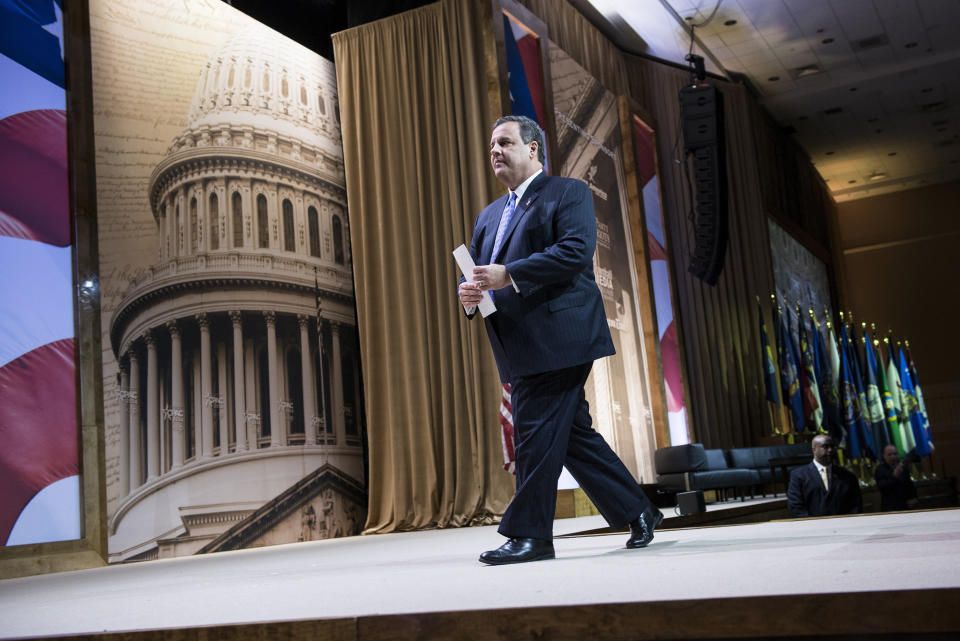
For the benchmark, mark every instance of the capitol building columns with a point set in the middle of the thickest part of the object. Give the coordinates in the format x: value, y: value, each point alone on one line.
x: 176, y: 395
x: 273, y: 404
x: 206, y: 385
x: 124, y: 401
x: 239, y: 405
x: 336, y: 387
x: 306, y: 375
x: 153, y: 409
x: 133, y: 454
x: 219, y: 384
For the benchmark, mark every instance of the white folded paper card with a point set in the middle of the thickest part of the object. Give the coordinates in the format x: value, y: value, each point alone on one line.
x: 466, y: 264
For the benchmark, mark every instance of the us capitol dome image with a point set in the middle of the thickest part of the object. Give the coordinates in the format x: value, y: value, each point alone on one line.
x: 239, y: 367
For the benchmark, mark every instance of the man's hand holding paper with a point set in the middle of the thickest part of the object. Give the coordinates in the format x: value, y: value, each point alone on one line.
x: 491, y: 277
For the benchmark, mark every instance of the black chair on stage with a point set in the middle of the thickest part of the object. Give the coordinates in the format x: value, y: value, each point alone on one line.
x: 684, y: 468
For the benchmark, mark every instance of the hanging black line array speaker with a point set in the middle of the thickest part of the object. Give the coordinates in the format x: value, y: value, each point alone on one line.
x: 701, y: 110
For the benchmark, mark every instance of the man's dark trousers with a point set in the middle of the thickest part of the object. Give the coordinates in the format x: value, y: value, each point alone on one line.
x: 552, y: 428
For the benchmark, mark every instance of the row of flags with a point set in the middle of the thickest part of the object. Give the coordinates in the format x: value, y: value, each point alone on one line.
x: 862, y: 391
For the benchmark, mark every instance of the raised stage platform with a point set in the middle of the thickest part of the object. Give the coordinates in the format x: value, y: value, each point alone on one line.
x: 890, y: 576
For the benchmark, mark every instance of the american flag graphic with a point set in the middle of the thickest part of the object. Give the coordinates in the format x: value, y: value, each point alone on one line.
x: 506, y: 430
x: 39, y: 451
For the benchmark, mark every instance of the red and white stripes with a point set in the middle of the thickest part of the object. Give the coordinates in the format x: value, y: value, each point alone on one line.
x: 39, y: 443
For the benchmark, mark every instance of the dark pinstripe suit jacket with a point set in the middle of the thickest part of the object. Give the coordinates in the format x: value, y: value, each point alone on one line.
x: 556, y: 320
x: 807, y: 497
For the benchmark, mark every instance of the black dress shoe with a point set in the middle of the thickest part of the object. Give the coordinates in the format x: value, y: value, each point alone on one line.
x: 519, y: 550
x: 641, y: 530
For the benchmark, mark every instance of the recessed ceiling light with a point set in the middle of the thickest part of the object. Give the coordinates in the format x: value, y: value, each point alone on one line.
x: 827, y: 41
x: 877, y: 175
x: 773, y: 78
x: 730, y: 23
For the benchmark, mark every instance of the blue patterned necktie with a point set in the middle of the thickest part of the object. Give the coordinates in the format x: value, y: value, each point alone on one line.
x: 504, y: 221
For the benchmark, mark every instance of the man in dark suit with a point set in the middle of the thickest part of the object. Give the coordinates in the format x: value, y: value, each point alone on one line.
x: 897, y: 491
x: 822, y: 488
x: 534, y: 252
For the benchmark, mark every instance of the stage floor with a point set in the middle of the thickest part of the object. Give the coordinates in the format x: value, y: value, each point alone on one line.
x: 437, y: 571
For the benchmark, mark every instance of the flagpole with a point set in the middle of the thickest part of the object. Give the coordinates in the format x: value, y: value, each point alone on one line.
x: 816, y: 328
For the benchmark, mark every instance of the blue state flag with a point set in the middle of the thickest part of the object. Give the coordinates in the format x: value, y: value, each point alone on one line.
x: 866, y: 434
x: 769, y: 369
x: 913, y: 408
x: 875, y: 412
x: 789, y: 380
x: 848, y: 396
x: 920, y: 402
x: 31, y: 34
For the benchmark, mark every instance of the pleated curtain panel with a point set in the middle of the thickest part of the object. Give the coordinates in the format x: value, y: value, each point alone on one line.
x: 415, y: 124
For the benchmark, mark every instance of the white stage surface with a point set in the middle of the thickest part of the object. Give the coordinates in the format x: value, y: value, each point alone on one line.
x: 870, y: 573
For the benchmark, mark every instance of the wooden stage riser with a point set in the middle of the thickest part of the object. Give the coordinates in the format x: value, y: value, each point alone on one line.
x: 915, y: 615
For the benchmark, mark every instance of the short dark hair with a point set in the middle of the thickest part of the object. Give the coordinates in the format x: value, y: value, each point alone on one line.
x: 529, y: 131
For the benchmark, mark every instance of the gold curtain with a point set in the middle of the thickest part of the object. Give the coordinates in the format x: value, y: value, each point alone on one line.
x: 583, y: 42
x: 413, y: 95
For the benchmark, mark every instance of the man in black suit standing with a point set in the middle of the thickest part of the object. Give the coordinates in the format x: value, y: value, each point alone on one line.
x: 897, y: 491
x: 534, y: 251
x: 822, y: 488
